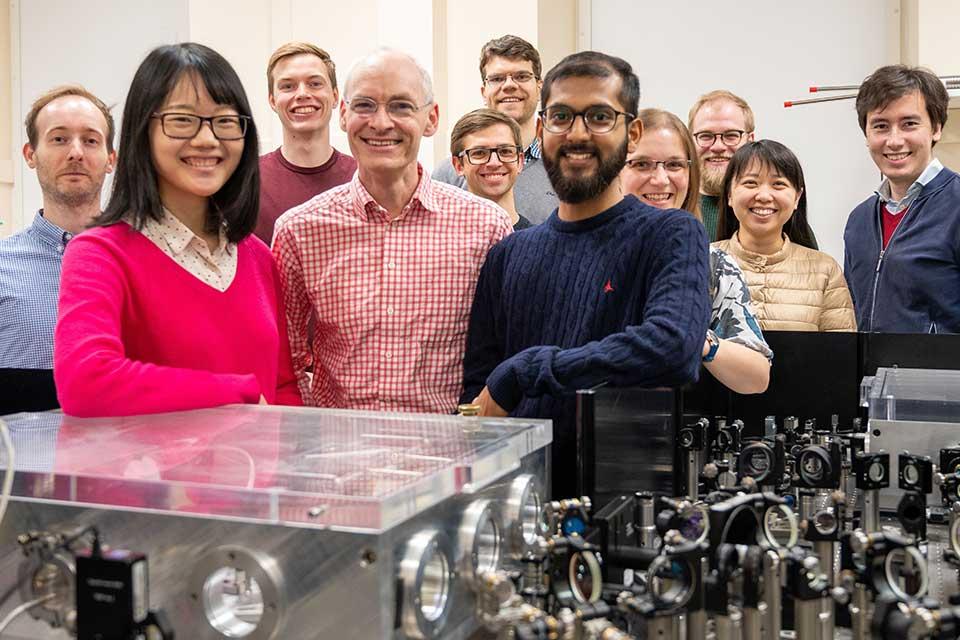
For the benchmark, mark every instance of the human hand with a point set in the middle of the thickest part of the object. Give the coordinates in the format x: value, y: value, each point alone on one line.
x: 488, y: 406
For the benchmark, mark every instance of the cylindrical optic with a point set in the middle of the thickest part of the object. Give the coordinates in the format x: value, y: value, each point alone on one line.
x: 479, y: 540
x: 426, y: 579
x: 522, y: 512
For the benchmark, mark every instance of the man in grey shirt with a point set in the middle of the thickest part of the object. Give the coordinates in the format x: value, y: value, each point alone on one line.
x: 511, y: 73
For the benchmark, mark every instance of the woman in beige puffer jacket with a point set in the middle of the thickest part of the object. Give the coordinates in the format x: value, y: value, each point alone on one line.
x: 763, y: 225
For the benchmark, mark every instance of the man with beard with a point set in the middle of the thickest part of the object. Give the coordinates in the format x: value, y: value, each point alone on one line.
x: 608, y: 289
x: 70, y: 145
x: 720, y: 122
x: 510, y: 70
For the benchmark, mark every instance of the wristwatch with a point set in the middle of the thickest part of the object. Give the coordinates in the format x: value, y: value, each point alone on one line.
x: 714, y: 345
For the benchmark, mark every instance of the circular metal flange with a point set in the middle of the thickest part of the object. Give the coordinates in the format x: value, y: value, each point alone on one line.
x: 426, y: 582
x: 670, y: 582
x: 919, y: 565
x: 523, y: 514
x: 770, y: 517
x: 480, y: 541
x: 584, y: 568
x: 263, y: 592
x: 954, y: 535
x: 49, y: 573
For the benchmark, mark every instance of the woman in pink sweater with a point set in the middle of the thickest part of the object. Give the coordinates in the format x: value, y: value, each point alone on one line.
x: 169, y: 302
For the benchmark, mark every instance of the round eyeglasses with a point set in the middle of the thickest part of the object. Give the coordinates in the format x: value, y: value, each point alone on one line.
x: 597, y: 119
x: 506, y: 153
x: 184, y: 126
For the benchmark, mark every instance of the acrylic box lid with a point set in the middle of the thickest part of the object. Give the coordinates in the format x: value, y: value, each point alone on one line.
x: 344, y: 470
x: 918, y: 395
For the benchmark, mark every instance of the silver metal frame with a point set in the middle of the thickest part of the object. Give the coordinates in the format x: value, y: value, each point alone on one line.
x: 420, y: 552
x: 256, y: 565
x: 522, y: 489
x: 478, y: 516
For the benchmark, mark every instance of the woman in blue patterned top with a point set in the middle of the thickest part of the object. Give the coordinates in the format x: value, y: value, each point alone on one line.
x: 659, y: 172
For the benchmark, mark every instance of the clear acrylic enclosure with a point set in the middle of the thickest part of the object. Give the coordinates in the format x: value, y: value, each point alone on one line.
x: 920, y: 395
x: 343, y: 470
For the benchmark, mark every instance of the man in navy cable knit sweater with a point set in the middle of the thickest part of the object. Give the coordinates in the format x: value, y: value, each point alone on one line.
x: 608, y: 289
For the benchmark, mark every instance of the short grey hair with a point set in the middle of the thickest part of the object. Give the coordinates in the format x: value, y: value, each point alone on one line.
x: 373, y: 57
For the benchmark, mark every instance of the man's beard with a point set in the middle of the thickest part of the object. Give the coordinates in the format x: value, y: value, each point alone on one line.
x: 72, y: 199
x: 574, y: 190
x: 711, y: 181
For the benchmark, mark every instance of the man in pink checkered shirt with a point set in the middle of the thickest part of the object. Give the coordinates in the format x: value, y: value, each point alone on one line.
x: 379, y: 274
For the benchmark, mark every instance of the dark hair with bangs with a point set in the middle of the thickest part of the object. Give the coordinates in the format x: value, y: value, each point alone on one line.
x: 892, y: 82
x: 135, y: 195
x: 593, y: 64
x: 771, y: 154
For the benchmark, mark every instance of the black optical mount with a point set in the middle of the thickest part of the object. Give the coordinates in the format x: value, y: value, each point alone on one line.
x: 916, y: 479
x: 818, y: 466
x: 949, y: 460
x: 916, y: 473
x: 762, y: 461
x: 872, y: 470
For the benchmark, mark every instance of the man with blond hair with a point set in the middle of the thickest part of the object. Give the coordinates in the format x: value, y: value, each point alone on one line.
x: 510, y: 73
x: 486, y: 149
x: 721, y: 122
x: 379, y: 274
x: 302, y: 90
x: 70, y: 146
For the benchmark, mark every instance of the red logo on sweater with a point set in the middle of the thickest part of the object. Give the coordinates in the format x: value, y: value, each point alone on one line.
x: 607, y: 288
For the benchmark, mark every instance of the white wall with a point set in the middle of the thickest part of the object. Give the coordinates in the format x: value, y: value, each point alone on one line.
x: 467, y: 31
x: 936, y: 30
x: 96, y: 43
x: 767, y: 52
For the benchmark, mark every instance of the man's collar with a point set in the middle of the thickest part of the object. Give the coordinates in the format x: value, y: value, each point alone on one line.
x: 885, y: 194
x: 422, y: 194
x: 533, y: 152
x: 49, y: 233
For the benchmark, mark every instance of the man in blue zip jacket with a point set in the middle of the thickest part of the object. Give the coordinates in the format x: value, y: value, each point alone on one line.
x: 902, y: 244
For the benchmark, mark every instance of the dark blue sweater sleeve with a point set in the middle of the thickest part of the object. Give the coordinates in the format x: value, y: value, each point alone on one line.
x: 663, y: 350
x: 484, y: 343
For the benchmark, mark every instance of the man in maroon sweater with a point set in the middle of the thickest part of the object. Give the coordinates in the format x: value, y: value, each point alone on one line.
x: 302, y: 84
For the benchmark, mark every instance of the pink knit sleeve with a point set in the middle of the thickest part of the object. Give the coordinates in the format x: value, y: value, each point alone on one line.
x: 92, y: 373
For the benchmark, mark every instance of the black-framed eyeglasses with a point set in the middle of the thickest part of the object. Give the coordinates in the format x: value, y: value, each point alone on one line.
x: 597, y: 119
x: 674, y: 165
x: 506, y: 153
x: 520, y: 77
x: 396, y: 109
x: 730, y: 138
x: 184, y: 126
